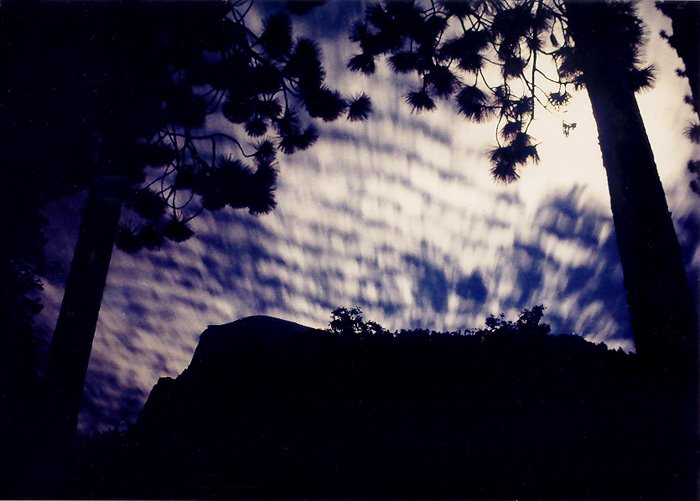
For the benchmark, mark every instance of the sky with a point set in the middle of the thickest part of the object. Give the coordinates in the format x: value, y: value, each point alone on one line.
x: 398, y: 215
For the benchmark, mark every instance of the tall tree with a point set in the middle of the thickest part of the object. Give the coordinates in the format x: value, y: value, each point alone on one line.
x: 146, y: 105
x: 535, y: 51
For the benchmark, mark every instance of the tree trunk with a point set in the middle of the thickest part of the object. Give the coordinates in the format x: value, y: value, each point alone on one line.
x: 75, y: 329
x: 77, y: 320
x: 658, y: 293
x: 662, y: 310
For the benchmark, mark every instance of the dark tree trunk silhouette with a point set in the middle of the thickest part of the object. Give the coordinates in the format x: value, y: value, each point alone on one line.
x: 663, y: 314
x: 661, y: 306
x: 71, y: 345
x: 664, y: 320
x: 75, y: 328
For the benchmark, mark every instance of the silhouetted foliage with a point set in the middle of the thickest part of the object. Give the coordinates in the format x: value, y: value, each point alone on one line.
x: 271, y: 408
x: 270, y: 85
x: 349, y: 322
x: 694, y: 169
x: 685, y: 39
x: 450, y: 47
x: 528, y: 323
x: 685, y: 23
x: 692, y: 132
x: 172, y: 77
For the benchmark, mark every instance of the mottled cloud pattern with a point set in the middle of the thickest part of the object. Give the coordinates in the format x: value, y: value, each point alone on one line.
x: 398, y: 215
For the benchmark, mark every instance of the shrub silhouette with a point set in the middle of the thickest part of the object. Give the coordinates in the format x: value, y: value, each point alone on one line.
x: 349, y: 322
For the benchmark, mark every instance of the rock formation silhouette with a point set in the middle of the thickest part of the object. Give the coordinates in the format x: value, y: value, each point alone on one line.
x: 270, y: 408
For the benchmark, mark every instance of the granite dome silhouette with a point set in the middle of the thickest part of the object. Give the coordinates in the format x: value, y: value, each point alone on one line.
x: 269, y: 407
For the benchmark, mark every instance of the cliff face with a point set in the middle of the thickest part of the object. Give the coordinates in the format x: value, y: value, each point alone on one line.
x: 229, y: 358
x: 269, y: 407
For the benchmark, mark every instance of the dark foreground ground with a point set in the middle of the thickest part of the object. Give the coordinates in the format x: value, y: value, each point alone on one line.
x: 269, y: 408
